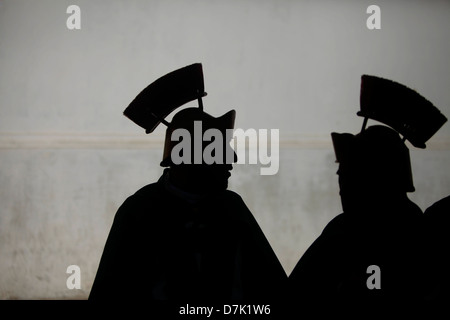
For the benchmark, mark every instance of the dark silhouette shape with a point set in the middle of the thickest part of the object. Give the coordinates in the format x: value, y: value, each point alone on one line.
x: 436, y: 251
x: 166, y: 94
x: 378, y: 226
x: 186, y: 238
x: 401, y: 108
x: 378, y: 239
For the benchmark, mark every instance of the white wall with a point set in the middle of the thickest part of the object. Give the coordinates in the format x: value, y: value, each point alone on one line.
x: 68, y: 158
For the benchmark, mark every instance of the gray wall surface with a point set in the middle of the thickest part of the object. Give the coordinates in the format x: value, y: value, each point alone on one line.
x: 69, y: 158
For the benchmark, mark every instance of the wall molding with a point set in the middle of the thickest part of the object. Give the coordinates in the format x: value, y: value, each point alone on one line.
x: 65, y: 140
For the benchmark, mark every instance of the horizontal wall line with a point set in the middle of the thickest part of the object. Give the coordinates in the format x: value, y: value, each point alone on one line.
x: 78, y: 141
x: 129, y: 141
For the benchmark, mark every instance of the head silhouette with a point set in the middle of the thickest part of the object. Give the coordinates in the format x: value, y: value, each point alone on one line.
x: 373, y: 165
x: 198, y: 152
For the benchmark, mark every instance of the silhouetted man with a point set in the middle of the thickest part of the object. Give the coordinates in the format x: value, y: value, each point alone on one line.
x: 370, y: 253
x: 186, y: 238
x: 378, y: 227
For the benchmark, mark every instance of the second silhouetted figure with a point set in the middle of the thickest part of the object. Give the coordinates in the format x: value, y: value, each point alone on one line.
x: 372, y: 251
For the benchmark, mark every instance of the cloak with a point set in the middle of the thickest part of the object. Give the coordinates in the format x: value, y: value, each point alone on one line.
x: 336, y: 266
x: 167, y: 246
